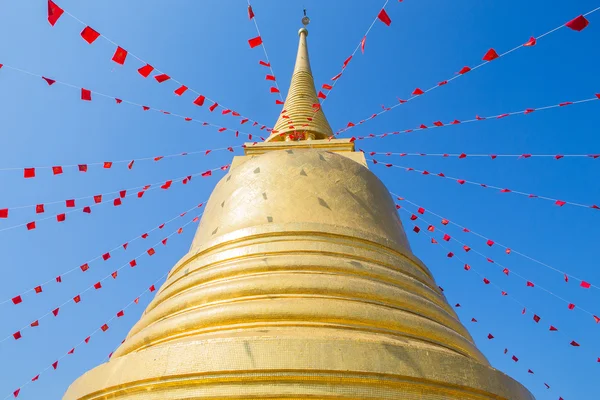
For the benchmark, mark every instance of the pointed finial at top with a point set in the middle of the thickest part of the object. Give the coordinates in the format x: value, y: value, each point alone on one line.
x: 305, y: 19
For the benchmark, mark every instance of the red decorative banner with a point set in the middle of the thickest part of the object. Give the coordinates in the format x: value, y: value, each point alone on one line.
x: 96, y: 286
x: 466, y: 248
x: 99, y: 199
x: 440, y: 124
x: 557, y: 202
x: 88, y: 95
x: 271, y: 76
x: 17, y: 299
x: 120, y: 56
x: 488, y: 57
x: 486, y: 281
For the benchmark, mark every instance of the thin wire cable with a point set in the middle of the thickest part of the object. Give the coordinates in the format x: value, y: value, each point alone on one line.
x: 128, y: 102
x: 107, y: 277
x: 463, y: 181
x: 129, y: 53
x: 90, y: 261
x: 457, y: 76
x: 266, y: 55
x: 511, y: 272
x: 509, y: 249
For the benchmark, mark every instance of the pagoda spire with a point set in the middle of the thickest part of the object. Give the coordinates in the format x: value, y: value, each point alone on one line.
x: 299, y: 120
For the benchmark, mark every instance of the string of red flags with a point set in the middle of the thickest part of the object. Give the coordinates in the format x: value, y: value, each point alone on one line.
x: 105, y: 256
x: 130, y: 163
x: 491, y: 156
x: 138, y: 192
x: 493, y: 336
x: 577, y: 24
x: 103, y: 328
x: 257, y: 41
x: 77, y: 298
x: 508, y: 272
x: 90, y: 35
x: 89, y: 95
x: 557, y: 202
x: 467, y: 267
x: 383, y: 17
x: 440, y: 124
x: 566, y: 277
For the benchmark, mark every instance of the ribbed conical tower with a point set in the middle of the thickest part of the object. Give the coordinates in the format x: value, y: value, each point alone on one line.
x: 299, y: 284
x: 302, y: 117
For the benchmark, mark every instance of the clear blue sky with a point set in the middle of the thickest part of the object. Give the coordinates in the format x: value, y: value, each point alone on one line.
x: 205, y: 45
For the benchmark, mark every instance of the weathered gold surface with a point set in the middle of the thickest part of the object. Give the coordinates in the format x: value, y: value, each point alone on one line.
x: 302, y: 122
x: 300, y: 283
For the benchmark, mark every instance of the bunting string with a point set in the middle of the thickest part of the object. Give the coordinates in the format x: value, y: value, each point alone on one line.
x: 98, y: 285
x: 19, y: 298
x: 99, y: 199
x: 103, y: 328
x: 269, y: 77
x: 577, y: 24
x: 557, y: 202
x: 87, y: 95
x: 90, y: 36
x: 467, y: 267
x: 59, y: 169
x: 383, y: 17
x: 491, y: 156
x: 440, y: 124
x: 505, y: 270
x: 508, y: 250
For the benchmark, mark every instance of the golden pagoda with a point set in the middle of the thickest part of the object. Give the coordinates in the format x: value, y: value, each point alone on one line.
x: 299, y: 284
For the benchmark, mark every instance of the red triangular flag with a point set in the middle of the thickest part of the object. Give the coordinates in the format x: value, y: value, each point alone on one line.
x: 161, y: 78
x: 120, y: 55
x: 181, y: 90
x: 362, y: 44
x: 257, y: 41
x: 578, y: 24
x: 54, y: 13
x: 531, y: 42
x: 49, y: 81
x: 490, y: 55
x: 146, y: 70
x: 250, y: 12
x: 384, y: 17
x: 86, y: 94
x: 89, y: 35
